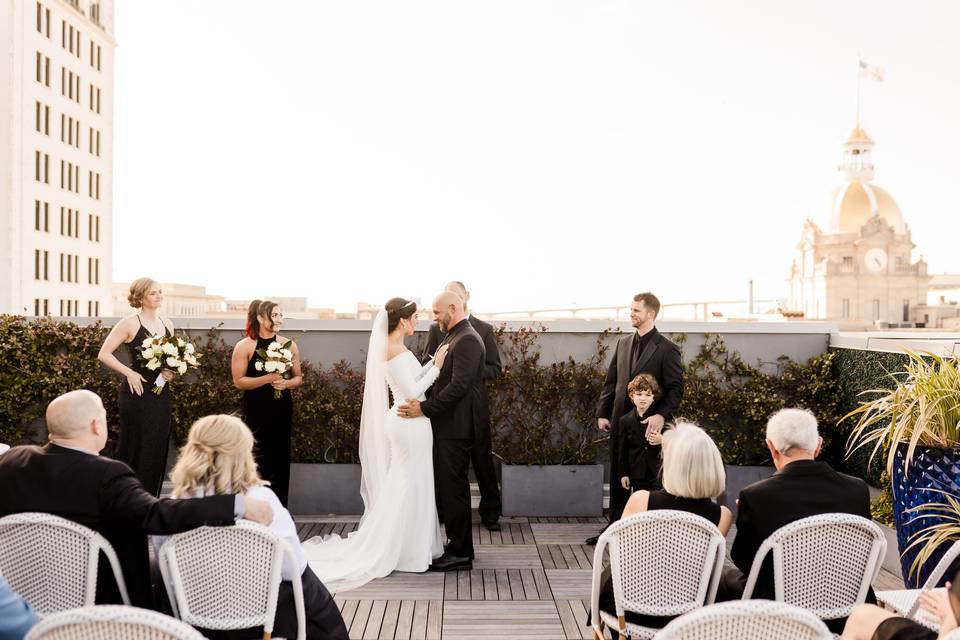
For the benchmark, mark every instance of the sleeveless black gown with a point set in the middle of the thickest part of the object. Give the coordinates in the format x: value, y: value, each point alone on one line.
x: 270, y: 419
x: 144, y: 422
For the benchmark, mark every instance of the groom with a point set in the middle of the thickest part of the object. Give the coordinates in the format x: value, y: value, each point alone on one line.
x: 453, y: 403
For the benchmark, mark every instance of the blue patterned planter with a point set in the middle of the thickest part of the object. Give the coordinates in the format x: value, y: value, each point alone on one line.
x: 931, y: 468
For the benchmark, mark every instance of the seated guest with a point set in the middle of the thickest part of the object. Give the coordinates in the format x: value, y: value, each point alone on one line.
x: 218, y: 459
x: 640, y: 443
x: 70, y: 479
x: 16, y: 616
x: 693, y: 476
x: 801, y: 487
x: 870, y: 622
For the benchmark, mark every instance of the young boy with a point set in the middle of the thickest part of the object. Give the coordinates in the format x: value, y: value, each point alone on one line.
x: 639, y: 444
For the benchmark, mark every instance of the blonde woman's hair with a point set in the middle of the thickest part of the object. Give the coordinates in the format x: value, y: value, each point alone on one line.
x: 138, y: 289
x: 218, y: 458
x: 692, y: 466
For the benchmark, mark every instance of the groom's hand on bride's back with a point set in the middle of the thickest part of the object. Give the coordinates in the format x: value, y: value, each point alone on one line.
x: 410, y: 409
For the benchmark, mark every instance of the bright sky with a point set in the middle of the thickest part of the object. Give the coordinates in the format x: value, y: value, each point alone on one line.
x: 547, y: 153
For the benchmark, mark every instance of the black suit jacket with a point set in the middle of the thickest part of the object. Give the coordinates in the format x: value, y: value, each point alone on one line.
x: 491, y: 366
x: 802, y: 488
x: 639, y: 459
x: 106, y: 496
x: 661, y: 359
x: 456, y: 401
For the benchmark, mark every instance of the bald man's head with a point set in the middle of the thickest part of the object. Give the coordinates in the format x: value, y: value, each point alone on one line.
x: 72, y: 417
x: 447, y: 310
x: 460, y: 289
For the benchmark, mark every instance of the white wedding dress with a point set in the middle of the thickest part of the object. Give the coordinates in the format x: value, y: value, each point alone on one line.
x: 399, y: 530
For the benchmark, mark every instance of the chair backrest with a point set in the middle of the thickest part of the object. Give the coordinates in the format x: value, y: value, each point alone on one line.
x: 747, y: 620
x: 111, y: 622
x: 823, y: 563
x: 228, y: 577
x: 52, y: 562
x: 662, y: 563
x: 931, y: 582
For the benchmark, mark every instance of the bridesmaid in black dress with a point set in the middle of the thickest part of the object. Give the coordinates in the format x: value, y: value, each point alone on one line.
x: 269, y: 418
x: 144, y: 416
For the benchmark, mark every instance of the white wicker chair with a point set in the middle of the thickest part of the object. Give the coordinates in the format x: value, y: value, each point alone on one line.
x: 824, y: 563
x: 906, y: 602
x: 747, y: 620
x: 228, y: 577
x: 52, y: 562
x: 662, y: 563
x: 112, y: 622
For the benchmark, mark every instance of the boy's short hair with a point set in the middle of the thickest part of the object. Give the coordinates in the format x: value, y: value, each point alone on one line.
x: 644, y: 382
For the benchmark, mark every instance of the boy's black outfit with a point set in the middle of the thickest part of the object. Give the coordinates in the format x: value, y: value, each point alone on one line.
x: 639, y: 459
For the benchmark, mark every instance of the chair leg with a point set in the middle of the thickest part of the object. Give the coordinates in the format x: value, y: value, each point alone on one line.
x: 598, y: 633
x: 266, y: 635
x: 623, y: 628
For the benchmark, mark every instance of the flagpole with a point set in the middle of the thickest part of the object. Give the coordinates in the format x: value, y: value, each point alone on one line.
x: 858, y: 89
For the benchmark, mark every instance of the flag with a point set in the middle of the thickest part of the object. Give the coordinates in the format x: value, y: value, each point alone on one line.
x: 869, y: 71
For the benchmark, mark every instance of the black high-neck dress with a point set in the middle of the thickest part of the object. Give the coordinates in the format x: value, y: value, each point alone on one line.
x: 144, y: 421
x: 270, y: 419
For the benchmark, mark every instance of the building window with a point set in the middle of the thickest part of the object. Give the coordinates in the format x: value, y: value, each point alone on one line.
x: 36, y: 306
x: 98, y: 143
x: 876, y: 310
x: 37, y: 162
x: 98, y: 69
x: 46, y: 64
x: 98, y: 99
x: 91, y: 96
x: 846, y: 307
x: 39, y: 116
x: 39, y: 30
x: 97, y: 235
x: 89, y: 270
x: 906, y: 311
x: 46, y: 216
x: 36, y: 264
x: 39, y: 67
x: 97, y: 182
x: 96, y: 272
x: 46, y: 120
x: 46, y: 267
x: 61, y: 307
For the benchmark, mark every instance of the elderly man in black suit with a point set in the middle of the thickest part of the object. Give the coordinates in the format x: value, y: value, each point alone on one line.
x: 801, y: 487
x: 70, y: 479
x: 482, y: 454
x: 645, y: 350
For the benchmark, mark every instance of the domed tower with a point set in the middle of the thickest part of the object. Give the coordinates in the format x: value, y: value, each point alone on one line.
x: 859, y: 271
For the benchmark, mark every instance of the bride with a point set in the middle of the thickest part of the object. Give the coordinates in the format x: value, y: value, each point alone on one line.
x: 399, y: 530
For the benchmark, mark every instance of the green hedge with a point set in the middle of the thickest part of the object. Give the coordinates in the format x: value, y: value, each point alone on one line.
x: 540, y: 413
x: 858, y: 371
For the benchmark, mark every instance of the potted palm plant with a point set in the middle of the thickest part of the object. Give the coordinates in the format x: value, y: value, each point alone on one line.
x: 916, y: 425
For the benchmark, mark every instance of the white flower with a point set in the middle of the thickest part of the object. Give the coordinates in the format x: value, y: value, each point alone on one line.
x: 180, y: 342
x: 169, y: 349
x: 258, y: 365
x: 274, y: 346
x: 146, y: 342
x: 157, y: 351
x: 190, y: 360
x: 182, y: 369
x: 270, y: 366
x: 146, y: 354
x: 287, y: 354
x: 173, y: 363
x: 153, y: 365
x: 189, y: 348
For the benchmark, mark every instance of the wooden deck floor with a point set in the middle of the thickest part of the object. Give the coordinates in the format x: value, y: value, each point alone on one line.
x: 530, y: 581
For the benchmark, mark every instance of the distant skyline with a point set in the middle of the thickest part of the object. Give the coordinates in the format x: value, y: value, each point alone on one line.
x: 546, y: 153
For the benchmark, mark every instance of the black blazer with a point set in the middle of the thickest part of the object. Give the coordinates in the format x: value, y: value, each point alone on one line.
x: 106, y: 496
x: 802, y: 488
x: 456, y: 400
x: 491, y: 366
x: 661, y: 359
x: 639, y: 459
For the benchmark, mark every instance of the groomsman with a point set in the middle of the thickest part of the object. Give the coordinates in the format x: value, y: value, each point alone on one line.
x: 645, y: 350
x: 482, y: 454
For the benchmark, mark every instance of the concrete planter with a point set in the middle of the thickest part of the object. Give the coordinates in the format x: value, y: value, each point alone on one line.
x: 552, y: 490
x: 737, y: 479
x: 321, y: 489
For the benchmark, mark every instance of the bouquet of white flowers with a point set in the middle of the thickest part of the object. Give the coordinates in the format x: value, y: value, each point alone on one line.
x: 173, y: 353
x: 276, y: 358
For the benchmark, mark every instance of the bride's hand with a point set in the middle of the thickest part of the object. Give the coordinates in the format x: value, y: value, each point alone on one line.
x: 441, y: 355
